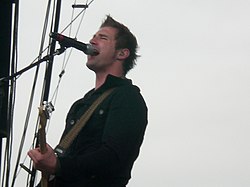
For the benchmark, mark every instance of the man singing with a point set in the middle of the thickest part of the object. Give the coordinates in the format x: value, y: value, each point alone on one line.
x: 104, y: 151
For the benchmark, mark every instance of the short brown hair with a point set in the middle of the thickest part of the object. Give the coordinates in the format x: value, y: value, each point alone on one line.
x: 124, y: 39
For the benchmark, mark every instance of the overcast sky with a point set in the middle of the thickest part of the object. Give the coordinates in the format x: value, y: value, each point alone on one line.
x: 194, y: 73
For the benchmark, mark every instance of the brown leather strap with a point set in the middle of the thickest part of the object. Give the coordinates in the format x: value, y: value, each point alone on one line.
x: 69, y: 138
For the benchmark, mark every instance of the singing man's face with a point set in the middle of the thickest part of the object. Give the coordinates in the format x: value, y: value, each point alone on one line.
x: 104, y: 41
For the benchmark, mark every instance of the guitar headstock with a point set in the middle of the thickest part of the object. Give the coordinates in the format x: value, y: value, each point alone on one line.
x: 46, y: 109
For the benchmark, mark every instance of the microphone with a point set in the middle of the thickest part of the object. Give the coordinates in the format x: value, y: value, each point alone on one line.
x: 66, y: 42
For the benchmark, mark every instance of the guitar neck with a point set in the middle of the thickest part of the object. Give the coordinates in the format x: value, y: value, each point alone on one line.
x: 42, y: 140
x: 42, y: 131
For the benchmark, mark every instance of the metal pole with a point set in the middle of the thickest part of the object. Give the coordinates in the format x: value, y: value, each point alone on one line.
x: 48, y: 74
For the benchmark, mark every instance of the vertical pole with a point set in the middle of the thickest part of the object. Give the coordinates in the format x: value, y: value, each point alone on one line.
x: 48, y: 74
x: 5, y: 41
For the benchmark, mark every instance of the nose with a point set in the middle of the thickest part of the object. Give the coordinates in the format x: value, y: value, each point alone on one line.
x: 93, y: 41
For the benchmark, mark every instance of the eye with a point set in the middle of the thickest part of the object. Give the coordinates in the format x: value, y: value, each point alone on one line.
x: 104, y: 38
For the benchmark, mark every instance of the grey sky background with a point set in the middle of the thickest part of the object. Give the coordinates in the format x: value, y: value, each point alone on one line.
x: 194, y: 73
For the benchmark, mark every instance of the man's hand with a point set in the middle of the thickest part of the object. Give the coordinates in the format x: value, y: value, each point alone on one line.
x: 44, y: 162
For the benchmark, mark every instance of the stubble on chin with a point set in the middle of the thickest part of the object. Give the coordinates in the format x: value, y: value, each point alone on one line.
x: 90, y: 64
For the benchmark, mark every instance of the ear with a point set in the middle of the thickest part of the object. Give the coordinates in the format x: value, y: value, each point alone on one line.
x: 122, y: 54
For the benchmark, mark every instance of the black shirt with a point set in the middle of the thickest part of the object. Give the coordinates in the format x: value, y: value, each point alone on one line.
x: 103, y: 153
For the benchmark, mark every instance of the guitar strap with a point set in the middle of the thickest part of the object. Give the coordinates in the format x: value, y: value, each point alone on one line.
x: 71, y: 135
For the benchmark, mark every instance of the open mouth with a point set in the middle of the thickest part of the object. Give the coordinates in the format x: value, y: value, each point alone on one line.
x: 92, y: 51
x: 96, y: 52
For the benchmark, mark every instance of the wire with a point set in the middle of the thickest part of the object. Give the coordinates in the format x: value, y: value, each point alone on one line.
x: 66, y: 59
x: 54, y: 96
x: 31, y: 97
x: 11, y: 100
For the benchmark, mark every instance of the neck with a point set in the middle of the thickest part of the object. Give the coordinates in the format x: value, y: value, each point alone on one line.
x: 101, y: 75
x: 100, y: 78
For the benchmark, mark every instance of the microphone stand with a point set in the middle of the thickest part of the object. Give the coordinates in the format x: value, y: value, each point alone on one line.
x: 5, y: 80
x: 48, y: 74
x: 45, y: 58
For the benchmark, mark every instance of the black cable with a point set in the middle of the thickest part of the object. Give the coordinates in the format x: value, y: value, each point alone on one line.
x: 30, y: 180
x: 11, y: 100
x: 31, y: 97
